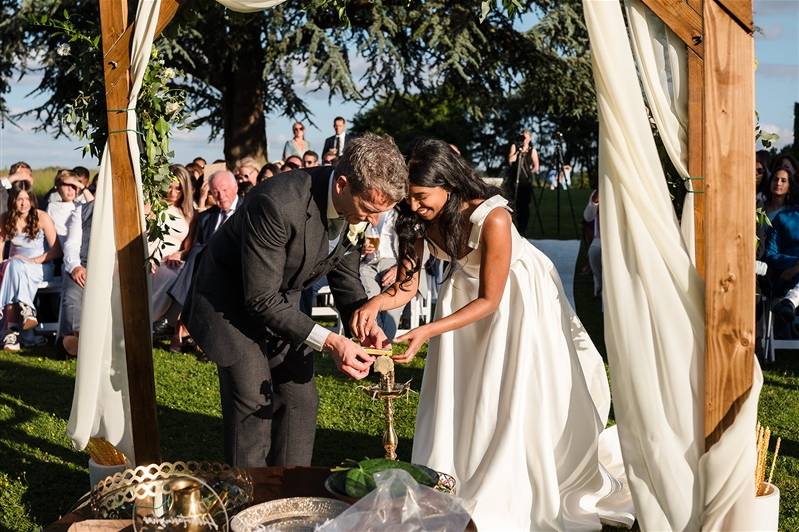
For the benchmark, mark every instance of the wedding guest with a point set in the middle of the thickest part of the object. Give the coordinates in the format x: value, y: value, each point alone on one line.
x: 76, y: 255
x: 785, y: 160
x: 292, y: 162
x: 19, y: 171
x: 199, y: 161
x: 267, y: 171
x: 32, y: 239
x: 247, y: 169
x: 168, y: 250
x: 379, y: 267
x: 60, y: 209
x: 783, y: 191
x: 310, y: 159
x: 222, y: 186
x: 297, y: 145
x: 339, y: 140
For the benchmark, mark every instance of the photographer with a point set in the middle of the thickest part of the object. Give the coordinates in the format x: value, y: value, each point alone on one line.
x: 523, y: 161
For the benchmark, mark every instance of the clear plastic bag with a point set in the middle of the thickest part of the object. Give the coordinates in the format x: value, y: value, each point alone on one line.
x: 400, y: 504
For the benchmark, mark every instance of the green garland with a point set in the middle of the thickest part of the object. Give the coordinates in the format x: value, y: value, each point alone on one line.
x: 159, y: 110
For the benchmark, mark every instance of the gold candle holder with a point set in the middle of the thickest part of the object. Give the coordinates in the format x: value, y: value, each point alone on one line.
x: 387, y: 390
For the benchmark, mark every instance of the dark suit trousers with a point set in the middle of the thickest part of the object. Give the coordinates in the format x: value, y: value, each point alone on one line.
x: 266, y: 422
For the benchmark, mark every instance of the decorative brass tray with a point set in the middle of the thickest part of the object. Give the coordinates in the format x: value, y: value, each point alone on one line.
x: 208, y: 490
x: 296, y: 514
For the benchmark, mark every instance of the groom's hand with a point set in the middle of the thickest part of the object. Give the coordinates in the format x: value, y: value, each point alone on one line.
x: 350, y: 358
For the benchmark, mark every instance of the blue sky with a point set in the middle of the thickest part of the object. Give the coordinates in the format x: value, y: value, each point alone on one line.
x: 776, y: 86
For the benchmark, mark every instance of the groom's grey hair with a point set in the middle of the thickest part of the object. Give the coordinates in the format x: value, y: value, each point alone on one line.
x: 373, y: 162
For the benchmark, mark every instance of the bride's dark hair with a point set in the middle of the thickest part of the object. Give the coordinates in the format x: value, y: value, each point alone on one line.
x: 433, y: 163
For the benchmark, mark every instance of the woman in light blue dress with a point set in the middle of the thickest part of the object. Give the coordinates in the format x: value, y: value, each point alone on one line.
x: 26, y: 229
x: 297, y: 145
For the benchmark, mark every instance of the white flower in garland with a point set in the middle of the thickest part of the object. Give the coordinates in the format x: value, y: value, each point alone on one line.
x: 63, y: 50
x: 169, y: 73
x: 355, y: 231
x: 172, y: 107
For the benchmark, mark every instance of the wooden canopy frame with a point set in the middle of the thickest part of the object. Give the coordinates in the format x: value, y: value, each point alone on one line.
x: 718, y: 35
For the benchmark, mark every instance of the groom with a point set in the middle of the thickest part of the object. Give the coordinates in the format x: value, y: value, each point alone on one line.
x: 243, y: 310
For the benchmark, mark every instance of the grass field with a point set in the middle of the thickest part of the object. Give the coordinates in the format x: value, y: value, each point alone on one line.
x: 41, y: 475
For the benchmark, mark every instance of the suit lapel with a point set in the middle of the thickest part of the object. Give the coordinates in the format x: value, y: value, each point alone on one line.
x: 315, y: 224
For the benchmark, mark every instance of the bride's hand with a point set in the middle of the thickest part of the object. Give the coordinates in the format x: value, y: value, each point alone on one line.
x: 416, y: 339
x: 364, y: 318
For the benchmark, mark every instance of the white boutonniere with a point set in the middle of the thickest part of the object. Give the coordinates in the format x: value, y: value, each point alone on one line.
x: 355, y: 231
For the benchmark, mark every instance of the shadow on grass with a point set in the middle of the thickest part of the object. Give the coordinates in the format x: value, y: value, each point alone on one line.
x: 334, y: 446
x: 55, y: 474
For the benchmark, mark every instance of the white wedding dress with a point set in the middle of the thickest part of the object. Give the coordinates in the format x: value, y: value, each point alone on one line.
x: 513, y: 405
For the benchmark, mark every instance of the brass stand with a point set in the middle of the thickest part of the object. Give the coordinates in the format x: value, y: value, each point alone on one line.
x: 387, y: 390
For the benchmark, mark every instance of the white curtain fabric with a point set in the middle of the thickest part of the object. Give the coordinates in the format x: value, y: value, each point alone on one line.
x: 249, y: 6
x: 100, y: 403
x: 654, y: 314
x: 662, y: 60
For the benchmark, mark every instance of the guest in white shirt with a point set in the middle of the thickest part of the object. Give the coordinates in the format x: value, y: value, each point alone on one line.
x: 379, y: 267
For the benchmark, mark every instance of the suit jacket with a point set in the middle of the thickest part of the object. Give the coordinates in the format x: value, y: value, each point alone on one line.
x: 249, y: 278
x: 330, y: 143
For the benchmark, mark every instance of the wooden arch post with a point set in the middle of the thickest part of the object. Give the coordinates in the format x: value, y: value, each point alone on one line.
x: 130, y: 241
x: 721, y: 146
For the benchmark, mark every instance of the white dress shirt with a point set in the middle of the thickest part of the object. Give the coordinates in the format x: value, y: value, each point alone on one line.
x: 316, y: 340
x: 224, y: 215
x: 73, y: 240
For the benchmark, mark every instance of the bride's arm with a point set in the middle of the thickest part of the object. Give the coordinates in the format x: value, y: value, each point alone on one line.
x: 395, y: 296
x: 494, y: 268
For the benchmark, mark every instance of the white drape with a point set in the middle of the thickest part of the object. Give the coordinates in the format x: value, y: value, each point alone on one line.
x: 100, y: 403
x: 662, y: 60
x: 654, y: 313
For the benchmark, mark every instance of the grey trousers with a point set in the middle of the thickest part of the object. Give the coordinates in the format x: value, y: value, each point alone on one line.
x: 71, y: 298
x: 388, y: 320
x: 266, y: 421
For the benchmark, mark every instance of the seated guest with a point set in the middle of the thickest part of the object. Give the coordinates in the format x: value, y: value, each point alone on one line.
x: 32, y: 238
x: 168, y: 250
x: 19, y: 171
x: 267, y: 171
x: 76, y: 254
x: 782, y: 192
x: 247, y: 169
x: 60, y: 208
x: 292, y: 163
x: 379, y: 267
x: 785, y: 161
x: 310, y: 159
x: 222, y: 187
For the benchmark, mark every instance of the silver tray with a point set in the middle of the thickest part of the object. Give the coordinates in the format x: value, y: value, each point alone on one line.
x: 296, y: 514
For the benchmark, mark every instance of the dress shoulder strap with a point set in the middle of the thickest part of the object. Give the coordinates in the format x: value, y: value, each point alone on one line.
x: 480, y: 214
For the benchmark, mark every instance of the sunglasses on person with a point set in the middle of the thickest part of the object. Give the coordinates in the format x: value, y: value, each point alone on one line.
x: 308, y: 162
x: 760, y: 170
x: 298, y: 128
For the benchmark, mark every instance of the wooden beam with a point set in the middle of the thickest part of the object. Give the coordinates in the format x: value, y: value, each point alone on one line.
x: 128, y: 233
x: 696, y: 127
x: 741, y: 11
x: 729, y: 220
x: 696, y: 5
x: 682, y: 19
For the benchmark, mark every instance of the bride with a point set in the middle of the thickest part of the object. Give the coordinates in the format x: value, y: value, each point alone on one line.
x: 514, y: 394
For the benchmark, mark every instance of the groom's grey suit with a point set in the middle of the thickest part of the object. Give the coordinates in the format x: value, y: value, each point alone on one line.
x: 243, y: 312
